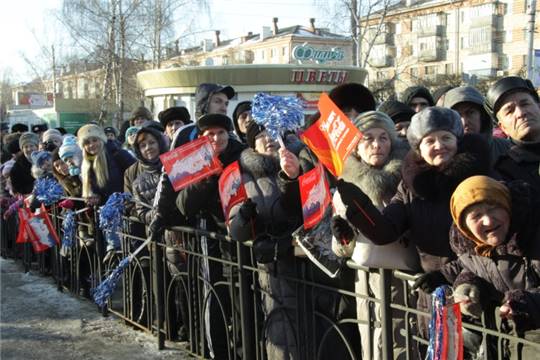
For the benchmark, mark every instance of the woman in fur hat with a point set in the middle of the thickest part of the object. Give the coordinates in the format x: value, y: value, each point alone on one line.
x: 441, y: 157
x: 375, y: 167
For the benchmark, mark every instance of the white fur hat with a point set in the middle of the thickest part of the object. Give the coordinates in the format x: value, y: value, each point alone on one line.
x: 88, y: 131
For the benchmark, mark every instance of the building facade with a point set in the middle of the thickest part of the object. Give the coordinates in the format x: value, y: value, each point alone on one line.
x: 433, y: 41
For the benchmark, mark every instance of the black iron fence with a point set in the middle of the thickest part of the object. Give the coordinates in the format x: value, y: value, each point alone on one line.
x: 207, y: 289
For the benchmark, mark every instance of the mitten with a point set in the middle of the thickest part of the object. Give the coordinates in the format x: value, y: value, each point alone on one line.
x: 248, y: 210
x: 351, y: 195
x: 342, y: 230
x: 468, y: 297
x: 428, y: 282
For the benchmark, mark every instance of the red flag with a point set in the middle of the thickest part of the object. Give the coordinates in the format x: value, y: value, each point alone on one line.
x: 315, y: 196
x: 231, y: 188
x: 332, y: 137
x: 190, y: 163
x: 41, y: 232
x: 24, y: 216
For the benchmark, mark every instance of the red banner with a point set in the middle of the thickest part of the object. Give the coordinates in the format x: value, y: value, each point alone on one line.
x: 231, y: 188
x: 37, y: 229
x: 190, y: 163
x: 315, y: 196
x: 332, y: 137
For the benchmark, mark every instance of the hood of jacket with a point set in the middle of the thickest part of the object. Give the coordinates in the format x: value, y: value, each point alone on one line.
x: 161, y: 143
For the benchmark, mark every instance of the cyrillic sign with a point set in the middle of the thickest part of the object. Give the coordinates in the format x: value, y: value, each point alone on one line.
x: 307, y: 52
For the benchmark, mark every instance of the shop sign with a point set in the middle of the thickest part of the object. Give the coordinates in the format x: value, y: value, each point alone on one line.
x: 312, y: 76
x: 307, y: 52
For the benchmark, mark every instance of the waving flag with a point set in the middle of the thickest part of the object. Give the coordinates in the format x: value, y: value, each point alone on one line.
x: 315, y: 196
x: 231, y: 188
x: 190, y: 163
x: 332, y: 137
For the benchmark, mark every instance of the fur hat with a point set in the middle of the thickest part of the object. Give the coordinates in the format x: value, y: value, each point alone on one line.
x: 252, y: 131
x: 497, y: 92
x: 28, y: 138
x: 417, y: 91
x: 69, y: 148
x: 90, y: 130
x: 474, y: 190
x: 174, y: 113
x: 12, y: 143
x: 19, y: 128
x: 214, y: 120
x: 51, y: 135
x: 433, y: 119
x: 397, y: 111
x: 39, y: 128
x: 140, y: 112
x: 353, y: 95
x: 376, y: 119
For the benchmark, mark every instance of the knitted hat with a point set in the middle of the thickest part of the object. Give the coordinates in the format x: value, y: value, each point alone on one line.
x: 132, y: 130
x: 69, y: 148
x: 90, y: 130
x: 51, y: 135
x: 375, y: 119
x: 433, y: 119
x: 140, y: 112
x: 353, y: 95
x: 252, y: 131
x: 28, y: 138
x: 417, y: 91
x: 397, y: 111
x: 174, y: 113
x: 39, y: 157
x: 474, y: 190
x: 214, y: 120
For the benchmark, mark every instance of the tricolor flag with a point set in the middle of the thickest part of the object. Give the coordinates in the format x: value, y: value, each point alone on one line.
x: 315, y: 196
x: 231, y: 188
x: 332, y: 137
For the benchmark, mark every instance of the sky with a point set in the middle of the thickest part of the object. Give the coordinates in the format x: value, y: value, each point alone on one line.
x: 25, y: 24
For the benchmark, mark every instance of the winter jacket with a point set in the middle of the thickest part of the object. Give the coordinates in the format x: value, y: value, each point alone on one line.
x: 118, y: 160
x: 522, y: 162
x: 421, y: 204
x: 22, y: 180
x: 512, y: 271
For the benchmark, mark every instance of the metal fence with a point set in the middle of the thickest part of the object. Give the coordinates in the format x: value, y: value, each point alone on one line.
x: 215, y: 296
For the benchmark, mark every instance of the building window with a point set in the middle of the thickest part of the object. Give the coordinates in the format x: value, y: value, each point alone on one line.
x: 272, y: 52
x: 284, y: 51
x: 449, y: 69
x: 262, y: 54
x: 414, y: 73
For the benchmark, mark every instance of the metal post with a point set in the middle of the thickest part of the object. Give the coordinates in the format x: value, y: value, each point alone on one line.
x: 386, y: 314
x: 157, y: 273
x: 531, y: 11
x: 246, y: 306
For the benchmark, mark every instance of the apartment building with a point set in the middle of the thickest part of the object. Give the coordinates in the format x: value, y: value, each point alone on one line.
x: 422, y: 41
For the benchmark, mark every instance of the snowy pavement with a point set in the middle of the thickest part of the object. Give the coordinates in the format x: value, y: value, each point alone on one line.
x: 39, y: 322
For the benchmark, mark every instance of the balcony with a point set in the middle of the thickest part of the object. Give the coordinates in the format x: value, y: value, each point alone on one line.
x: 437, y: 30
x: 380, y: 61
x: 489, y: 20
x: 384, y: 39
x: 432, y: 54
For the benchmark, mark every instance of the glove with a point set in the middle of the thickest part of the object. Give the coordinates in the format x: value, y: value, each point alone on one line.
x: 156, y: 228
x: 342, y: 230
x: 428, y: 282
x: 351, y: 195
x: 468, y: 297
x: 248, y: 210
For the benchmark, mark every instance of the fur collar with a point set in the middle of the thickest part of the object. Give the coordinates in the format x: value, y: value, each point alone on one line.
x: 472, y: 158
x: 379, y: 184
x: 258, y: 165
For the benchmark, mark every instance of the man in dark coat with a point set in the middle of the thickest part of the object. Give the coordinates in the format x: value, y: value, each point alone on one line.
x: 173, y: 119
x: 513, y: 101
x: 22, y: 180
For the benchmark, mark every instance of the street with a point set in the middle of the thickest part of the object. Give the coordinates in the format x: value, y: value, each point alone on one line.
x: 39, y: 322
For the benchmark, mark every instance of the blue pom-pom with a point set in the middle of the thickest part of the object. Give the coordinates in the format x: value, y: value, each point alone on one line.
x: 48, y: 191
x: 69, y: 226
x: 277, y: 113
x: 103, y: 291
x: 110, y: 218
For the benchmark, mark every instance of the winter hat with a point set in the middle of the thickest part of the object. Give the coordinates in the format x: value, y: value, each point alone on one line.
x: 90, y: 130
x: 39, y: 128
x: 28, y: 138
x: 69, y: 148
x: 214, y: 120
x: 474, y: 190
x: 159, y: 138
x: 469, y: 94
x: 110, y: 130
x: 433, y: 119
x: 62, y: 130
x: 204, y: 93
x: 353, y: 95
x: 140, y: 112
x: 376, y: 119
x: 252, y: 131
x: 19, y: 128
x: 7, y: 166
x: 132, y: 130
x: 11, y: 142
x: 39, y: 157
x: 156, y: 125
x: 497, y: 92
x: 417, y: 91
x: 51, y: 135
x: 397, y: 111
x: 174, y: 113
x: 441, y: 91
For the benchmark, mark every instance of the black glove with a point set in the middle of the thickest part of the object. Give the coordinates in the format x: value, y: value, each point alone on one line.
x: 248, y: 210
x: 351, y: 195
x: 342, y: 230
x: 428, y: 282
x: 156, y: 228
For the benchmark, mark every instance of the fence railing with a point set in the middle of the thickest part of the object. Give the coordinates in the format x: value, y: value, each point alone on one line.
x: 207, y: 289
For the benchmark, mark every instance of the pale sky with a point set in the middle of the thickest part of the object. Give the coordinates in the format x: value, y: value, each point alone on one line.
x: 24, y: 24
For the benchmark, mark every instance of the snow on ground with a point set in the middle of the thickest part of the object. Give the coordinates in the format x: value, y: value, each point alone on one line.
x: 39, y: 322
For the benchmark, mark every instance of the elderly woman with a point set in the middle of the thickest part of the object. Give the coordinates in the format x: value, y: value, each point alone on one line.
x: 375, y: 167
x: 496, y: 235
x: 441, y: 157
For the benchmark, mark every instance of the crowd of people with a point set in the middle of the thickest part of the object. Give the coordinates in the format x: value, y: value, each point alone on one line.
x: 445, y: 184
